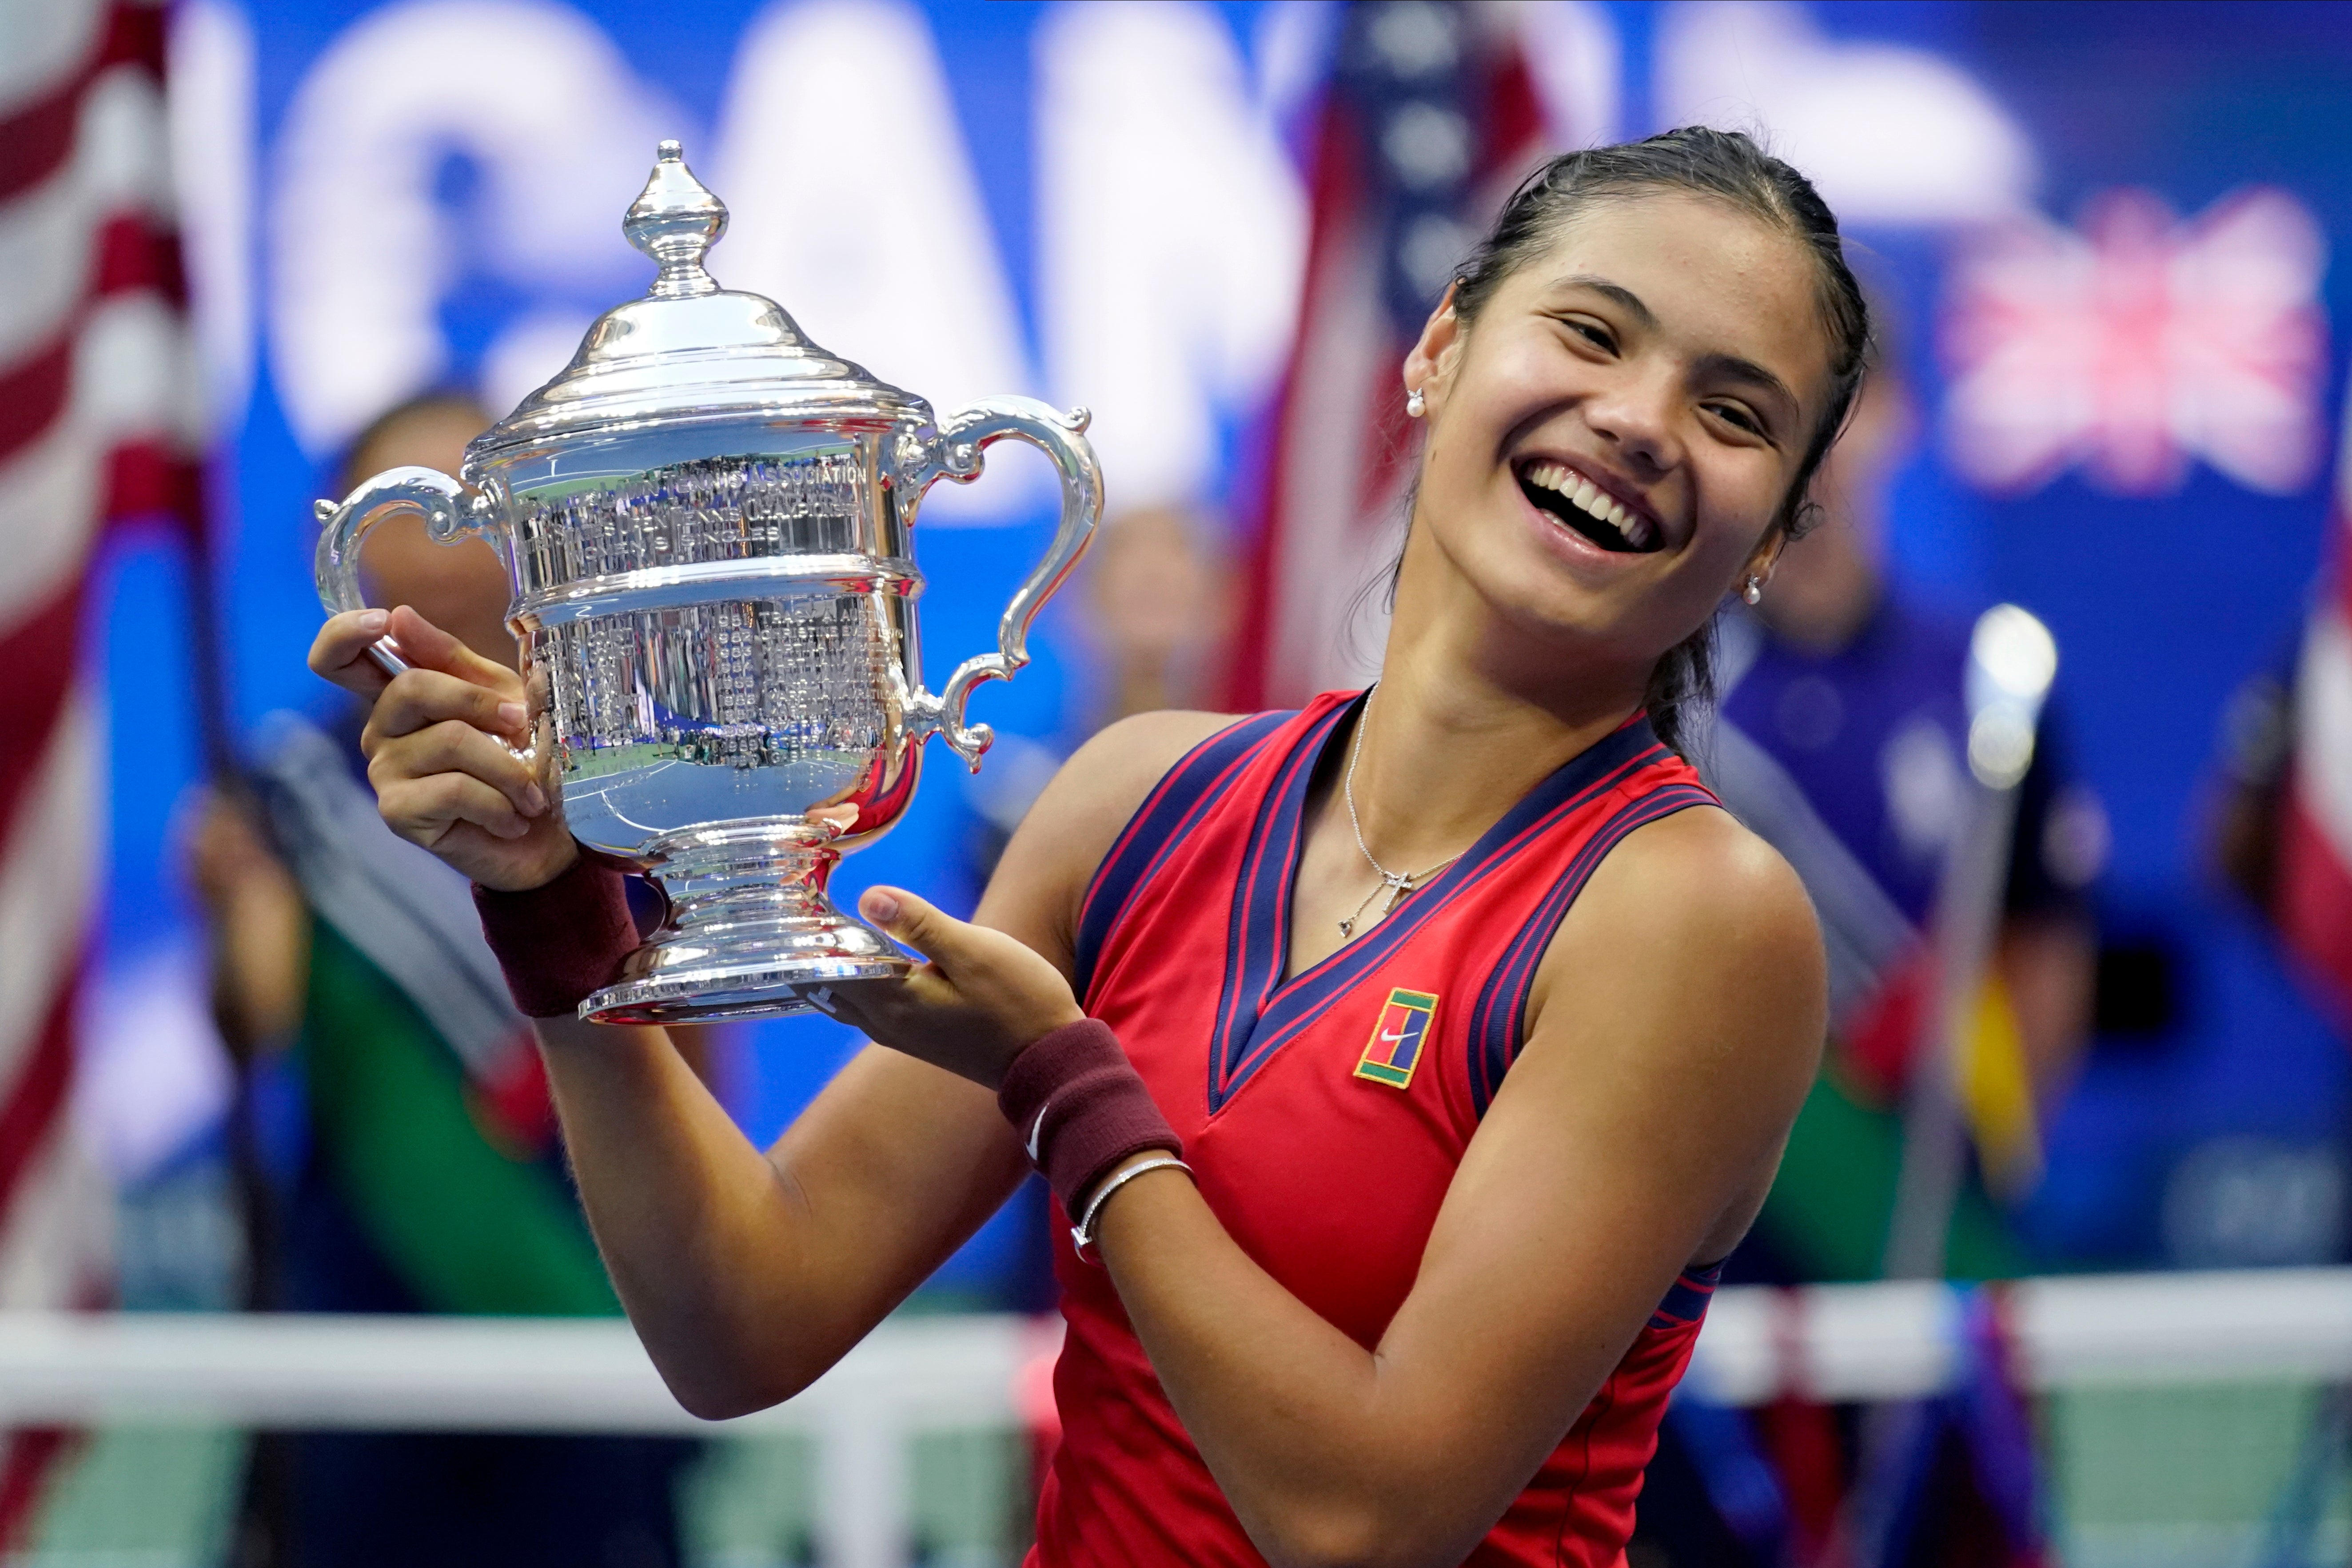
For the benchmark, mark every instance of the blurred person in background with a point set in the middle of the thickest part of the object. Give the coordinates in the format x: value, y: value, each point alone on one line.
x: 1841, y: 737
x: 417, y: 1152
x: 2278, y: 829
x: 1158, y: 608
x: 1160, y: 598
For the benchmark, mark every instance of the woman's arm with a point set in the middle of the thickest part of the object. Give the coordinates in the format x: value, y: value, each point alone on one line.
x: 749, y: 1275
x: 1676, y: 1024
x: 746, y: 1274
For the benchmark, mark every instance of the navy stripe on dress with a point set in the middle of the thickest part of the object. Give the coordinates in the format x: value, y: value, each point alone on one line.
x: 1687, y: 1300
x: 1245, y: 1040
x: 1183, y: 795
x: 1257, y: 942
x: 1498, y: 1021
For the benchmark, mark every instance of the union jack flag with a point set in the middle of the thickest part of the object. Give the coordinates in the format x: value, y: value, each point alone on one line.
x: 2139, y: 344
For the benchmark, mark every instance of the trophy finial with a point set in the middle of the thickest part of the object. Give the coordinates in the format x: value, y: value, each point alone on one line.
x: 675, y: 220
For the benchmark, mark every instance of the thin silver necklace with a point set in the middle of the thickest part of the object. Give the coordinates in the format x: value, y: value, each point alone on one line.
x: 1398, y: 884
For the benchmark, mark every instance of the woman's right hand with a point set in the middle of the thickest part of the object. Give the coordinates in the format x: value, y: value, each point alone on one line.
x: 440, y: 748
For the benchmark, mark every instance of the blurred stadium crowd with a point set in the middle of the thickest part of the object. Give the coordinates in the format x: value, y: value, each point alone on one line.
x: 256, y: 249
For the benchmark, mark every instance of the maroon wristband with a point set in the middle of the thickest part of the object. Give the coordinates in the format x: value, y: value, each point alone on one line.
x: 1080, y: 1108
x: 562, y: 941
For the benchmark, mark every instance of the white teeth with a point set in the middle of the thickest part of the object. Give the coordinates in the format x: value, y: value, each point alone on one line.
x: 1596, y: 504
x: 1588, y: 498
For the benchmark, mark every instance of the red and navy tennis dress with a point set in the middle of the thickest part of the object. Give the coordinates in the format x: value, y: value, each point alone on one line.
x: 1324, y: 1116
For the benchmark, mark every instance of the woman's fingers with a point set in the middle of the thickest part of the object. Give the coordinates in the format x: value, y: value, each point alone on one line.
x: 456, y: 745
x: 428, y: 647
x: 339, y: 653
x: 439, y: 741
x: 422, y: 810
x: 419, y: 699
x: 980, y: 984
x: 917, y: 922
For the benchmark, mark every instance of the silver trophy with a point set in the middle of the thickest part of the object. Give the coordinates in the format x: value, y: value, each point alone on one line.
x: 707, y: 519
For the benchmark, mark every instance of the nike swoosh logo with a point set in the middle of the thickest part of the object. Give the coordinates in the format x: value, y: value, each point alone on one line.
x: 1399, y: 1035
x: 1036, y: 1127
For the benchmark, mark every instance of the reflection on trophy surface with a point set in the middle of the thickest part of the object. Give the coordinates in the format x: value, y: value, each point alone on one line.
x: 707, y: 518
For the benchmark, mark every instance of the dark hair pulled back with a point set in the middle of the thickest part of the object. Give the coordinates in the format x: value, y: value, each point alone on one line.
x: 1726, y: 166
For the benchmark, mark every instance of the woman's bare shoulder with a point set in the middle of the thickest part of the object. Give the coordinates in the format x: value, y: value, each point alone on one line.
x: 1078, y: 817
x: 1694, y: 914
x: 1116, y: 769
x: 1704, y: 874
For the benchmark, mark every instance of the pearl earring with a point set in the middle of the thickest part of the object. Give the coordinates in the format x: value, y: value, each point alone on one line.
x: 1754, y: 592
x: 1415, y: 404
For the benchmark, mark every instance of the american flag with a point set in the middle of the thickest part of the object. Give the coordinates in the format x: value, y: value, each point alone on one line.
x: 2141, y: 343
x: 94, y: 422
x: 1428, y: 114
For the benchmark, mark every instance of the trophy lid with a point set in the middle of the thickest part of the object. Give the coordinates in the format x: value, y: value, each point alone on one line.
x: 690, y: 351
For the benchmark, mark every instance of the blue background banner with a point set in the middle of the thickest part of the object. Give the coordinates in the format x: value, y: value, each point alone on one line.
x: 474, y: 231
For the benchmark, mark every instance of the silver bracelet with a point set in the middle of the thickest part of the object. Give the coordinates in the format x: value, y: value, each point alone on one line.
x: 1082, y: 1234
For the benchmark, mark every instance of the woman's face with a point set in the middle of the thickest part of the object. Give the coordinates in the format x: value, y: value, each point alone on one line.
x: 1609, y: 442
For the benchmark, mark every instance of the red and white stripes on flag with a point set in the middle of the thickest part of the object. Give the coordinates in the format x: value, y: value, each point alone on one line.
x: 1428, y: 117
x: 95, y: 421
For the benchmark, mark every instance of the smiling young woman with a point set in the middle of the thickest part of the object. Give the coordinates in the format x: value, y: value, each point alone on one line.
x: 1478, y: 1027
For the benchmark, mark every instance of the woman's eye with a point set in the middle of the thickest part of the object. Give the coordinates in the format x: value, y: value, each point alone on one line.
x: 1732, y: 414
x: 1598, y: 337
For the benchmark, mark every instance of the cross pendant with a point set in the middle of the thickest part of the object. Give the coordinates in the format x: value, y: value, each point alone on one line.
x: 1398, y: 887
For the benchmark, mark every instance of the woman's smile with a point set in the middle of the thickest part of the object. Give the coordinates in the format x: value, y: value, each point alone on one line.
x: 1591, y: 508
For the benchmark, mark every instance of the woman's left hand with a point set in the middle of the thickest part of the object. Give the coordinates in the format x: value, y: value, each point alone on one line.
x: 980, y: 1000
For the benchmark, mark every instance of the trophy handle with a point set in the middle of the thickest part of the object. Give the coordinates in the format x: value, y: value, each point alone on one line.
x: 955, y: 454
x: 450, y: 515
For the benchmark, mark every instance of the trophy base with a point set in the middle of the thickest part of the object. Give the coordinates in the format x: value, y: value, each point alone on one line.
x: 751, y: 930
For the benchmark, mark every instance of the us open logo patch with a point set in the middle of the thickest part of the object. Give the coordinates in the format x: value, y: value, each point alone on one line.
x: 1395, y: 1050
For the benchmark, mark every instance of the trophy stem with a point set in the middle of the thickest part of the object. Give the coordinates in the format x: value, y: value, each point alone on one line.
x: 751, y: 927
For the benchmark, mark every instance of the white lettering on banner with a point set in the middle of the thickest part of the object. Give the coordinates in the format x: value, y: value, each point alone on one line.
x: 854, y: 208
x: 562, y: 130
x: 1889, y: 134
x: 1172, y: 227
x: 1172, y: 231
